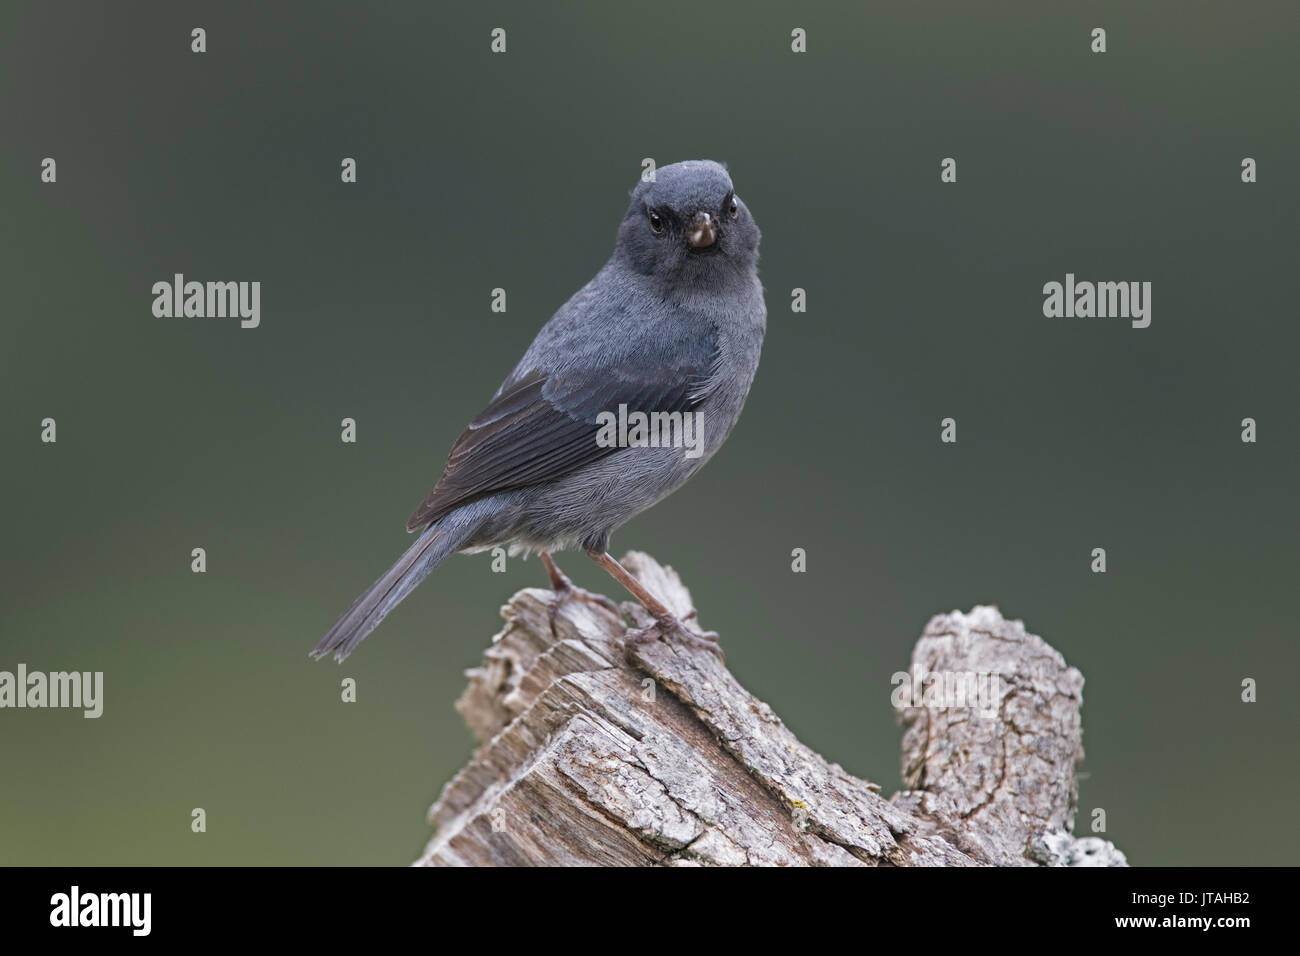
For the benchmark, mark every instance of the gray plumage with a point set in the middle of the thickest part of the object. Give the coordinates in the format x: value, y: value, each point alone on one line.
x: 673, y: 322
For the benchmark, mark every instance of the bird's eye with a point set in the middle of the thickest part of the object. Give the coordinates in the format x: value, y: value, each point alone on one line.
x: 733, y: 208
x: 656, y: 222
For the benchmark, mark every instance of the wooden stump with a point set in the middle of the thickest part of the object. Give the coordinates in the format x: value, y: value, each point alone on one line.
x: 596, y: 752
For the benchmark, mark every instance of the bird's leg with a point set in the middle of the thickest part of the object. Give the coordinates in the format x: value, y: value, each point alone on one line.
x: 665, y: 621
x: 565, y: 589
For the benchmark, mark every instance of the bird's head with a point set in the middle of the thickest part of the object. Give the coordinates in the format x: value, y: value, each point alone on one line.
x: 689, y: 225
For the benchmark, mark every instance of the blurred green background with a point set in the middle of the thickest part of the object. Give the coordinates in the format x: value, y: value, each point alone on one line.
x: 478, y: 171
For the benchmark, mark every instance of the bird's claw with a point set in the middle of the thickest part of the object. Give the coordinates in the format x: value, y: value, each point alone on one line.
x: 565, y: 590
x: 671, y: 627
x: 575, y: 593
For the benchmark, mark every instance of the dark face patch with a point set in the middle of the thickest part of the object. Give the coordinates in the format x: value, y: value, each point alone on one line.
x: 688, y: 224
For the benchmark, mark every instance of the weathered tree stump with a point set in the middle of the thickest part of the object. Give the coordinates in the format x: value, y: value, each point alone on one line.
x: 594, y: 752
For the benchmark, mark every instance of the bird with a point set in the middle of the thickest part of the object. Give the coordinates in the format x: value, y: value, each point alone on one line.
x: 673, y: 323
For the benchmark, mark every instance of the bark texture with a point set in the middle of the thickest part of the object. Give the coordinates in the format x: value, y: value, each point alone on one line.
x: 593, y: 752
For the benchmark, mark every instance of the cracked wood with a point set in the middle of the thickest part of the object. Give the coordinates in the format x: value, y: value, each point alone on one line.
x: 595, y: 753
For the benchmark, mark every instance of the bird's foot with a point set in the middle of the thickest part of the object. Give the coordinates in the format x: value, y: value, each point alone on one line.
x: 668, y: 627
x: 566, y: 590
x: 574, y: 593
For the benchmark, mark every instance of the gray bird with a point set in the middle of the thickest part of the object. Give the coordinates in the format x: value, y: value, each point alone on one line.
x: 673, y: 323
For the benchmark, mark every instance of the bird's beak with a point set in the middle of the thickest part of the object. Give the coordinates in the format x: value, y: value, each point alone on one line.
x: 703, y: 231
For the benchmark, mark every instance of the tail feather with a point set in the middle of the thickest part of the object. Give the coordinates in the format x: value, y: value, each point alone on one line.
x: 434, y: 546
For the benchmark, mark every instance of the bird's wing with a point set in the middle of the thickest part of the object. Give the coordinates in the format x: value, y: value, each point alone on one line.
x: 543, y: 425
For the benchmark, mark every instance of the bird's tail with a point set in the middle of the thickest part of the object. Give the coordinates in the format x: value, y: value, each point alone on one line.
x: 434, y: 545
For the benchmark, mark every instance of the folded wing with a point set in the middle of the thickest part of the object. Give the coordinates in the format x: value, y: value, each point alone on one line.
x: 542, y: 426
